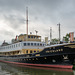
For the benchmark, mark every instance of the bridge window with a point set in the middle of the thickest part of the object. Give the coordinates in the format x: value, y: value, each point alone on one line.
x: 28, y: 36
x: 24, y: 44
x: 31, y: 36
x: 37, y: 37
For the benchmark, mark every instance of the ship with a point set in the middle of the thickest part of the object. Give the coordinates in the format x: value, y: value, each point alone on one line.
x: 21, y: 53
x: 29, y: 50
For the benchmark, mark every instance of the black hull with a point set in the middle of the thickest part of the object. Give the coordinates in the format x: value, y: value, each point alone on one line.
x: 41, y: 63
x: 57, y: 59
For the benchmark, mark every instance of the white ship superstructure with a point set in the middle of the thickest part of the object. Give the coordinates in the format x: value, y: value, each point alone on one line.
x: 23, y: 47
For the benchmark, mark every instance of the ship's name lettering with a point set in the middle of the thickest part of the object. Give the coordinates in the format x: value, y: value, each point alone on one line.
x: 50, y: 51
x: 71, y: 46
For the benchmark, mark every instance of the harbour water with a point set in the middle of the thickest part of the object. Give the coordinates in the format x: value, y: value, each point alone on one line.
x: 11, y: 69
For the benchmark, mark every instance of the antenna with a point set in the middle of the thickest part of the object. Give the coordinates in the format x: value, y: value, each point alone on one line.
x: 27, y: 19
x: 36, y: 32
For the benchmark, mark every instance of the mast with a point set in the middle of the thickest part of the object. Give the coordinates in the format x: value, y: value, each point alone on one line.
x: 59, y: 32
x: 27, y: 19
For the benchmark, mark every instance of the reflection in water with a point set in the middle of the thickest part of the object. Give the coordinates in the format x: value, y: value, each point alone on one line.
x: 8, y: 69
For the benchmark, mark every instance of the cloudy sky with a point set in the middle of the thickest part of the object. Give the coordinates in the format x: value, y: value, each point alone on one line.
x: 42, y: 15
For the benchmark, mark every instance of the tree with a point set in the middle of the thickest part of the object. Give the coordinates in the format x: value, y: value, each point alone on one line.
x: 54, y: 41
x: 66, y: 38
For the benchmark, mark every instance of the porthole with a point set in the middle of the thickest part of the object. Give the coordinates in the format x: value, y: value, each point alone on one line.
x: 33, y: 59
x: 36, y: 58
x: 29, y: 59
x: 61, y: 49
x: 45, y: 58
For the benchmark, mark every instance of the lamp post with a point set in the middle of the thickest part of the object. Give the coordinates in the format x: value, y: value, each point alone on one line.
x: 59, y: 32
x: 50, y: 34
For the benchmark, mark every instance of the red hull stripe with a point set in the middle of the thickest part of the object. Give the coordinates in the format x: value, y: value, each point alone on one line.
x: 47, y: 68
x: 41, y: 65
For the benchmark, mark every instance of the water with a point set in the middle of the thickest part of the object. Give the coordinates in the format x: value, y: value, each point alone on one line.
x: 11, y: 69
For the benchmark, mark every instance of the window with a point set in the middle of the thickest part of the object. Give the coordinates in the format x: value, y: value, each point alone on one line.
x: 26, y: 51
x: 34, y: 44
x: 24, y: 44
x: 31, y: 44
x: 31, y: 36
x: 28, y: 36
x: 16, y: 45
x: 34, y: 51
x: 28, y: 44
x: 31, y: 51
x: 38, y: 44
x: 37, y: 37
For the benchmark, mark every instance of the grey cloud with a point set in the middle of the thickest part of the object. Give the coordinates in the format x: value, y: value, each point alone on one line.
x: 41, y: 12
x: 13, y: 21
x: 6, y: 32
